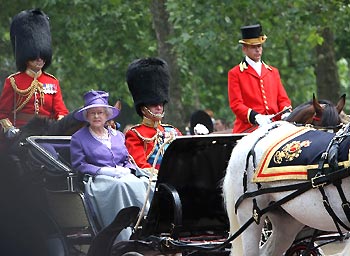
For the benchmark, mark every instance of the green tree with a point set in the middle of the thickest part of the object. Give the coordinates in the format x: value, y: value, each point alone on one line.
x: 164, y: 30
x: 94, y: 41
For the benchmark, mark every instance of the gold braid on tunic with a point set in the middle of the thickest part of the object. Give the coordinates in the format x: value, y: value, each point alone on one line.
x: 35, y: 87
x: 155, y: 138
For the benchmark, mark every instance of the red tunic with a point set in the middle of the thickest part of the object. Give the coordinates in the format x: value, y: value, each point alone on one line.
x: 143, y: 142
x: 248, y: 91
x: 51, y: 105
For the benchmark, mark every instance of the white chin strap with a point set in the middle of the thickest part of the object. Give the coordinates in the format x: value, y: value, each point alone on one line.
x: 155, y: 116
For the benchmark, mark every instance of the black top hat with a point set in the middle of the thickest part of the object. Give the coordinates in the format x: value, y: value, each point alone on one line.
x: 252, y: 35
x: 148, y: 82
x: 31, y: 38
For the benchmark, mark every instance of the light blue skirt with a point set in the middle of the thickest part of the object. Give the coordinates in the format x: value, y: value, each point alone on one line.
x: 108, y: 195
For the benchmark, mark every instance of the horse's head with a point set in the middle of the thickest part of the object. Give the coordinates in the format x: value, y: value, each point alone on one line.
x: 44, y: 126
x: 66, y: 126
x: 318, y: 113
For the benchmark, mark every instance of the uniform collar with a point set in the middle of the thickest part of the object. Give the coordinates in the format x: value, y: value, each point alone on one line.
x: 244, y: 65
x: 266, y: 66
x: 32, y: 73
x: 150, y: 123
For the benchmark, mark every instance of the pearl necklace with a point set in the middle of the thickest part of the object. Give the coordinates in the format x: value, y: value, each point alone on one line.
x: 104, y: 136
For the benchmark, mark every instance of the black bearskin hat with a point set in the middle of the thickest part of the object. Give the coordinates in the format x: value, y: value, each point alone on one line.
x: 201, y: 117
x: 31, y: 38
x: 148, y: 82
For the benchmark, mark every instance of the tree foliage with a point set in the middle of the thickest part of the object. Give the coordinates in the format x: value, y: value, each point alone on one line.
x: 94, y: 41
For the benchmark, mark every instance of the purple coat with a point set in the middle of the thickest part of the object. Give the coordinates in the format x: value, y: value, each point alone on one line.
x: 88, y: 155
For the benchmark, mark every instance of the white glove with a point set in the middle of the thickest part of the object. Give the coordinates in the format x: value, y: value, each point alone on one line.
x: 11, y: 132
x: 117, y: 171
x: 285, y: 115
x: 122, y: 171
x: 200, y: 129
x: 263, y: 119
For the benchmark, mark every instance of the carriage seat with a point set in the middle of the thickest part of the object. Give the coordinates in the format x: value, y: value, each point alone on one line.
x: 51, y: 149
x: 51, y: 154
x: 64, y: 188
x: 60, y: 151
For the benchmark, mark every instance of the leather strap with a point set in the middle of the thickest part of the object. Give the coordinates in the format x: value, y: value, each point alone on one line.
x: 345, y: 203
x: 27, y: 117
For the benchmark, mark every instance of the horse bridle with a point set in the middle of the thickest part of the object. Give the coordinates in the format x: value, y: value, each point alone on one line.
x: 316, y: 118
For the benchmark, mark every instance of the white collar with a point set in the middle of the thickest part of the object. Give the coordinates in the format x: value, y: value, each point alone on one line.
x: 255, y: 65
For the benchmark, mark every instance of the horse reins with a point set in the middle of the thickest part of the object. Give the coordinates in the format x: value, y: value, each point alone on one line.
x: 318, y: 181
x: 272, y: 117
x: 299, y: 188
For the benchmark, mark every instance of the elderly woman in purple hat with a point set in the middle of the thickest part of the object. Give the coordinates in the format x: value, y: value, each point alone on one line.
x: 100, y: 152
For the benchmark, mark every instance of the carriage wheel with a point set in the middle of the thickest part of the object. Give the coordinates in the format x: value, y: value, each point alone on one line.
x: 300, y: 248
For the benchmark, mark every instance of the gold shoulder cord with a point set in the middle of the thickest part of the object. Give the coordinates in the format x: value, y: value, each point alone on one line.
x: 148, y: 140
x: 144, y: 138
x: 34, y: 87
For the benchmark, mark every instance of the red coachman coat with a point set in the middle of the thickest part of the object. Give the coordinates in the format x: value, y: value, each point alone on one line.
x: 249, y: 92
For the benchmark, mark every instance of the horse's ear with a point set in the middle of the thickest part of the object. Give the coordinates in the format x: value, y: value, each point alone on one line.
x: 318, y: 108
x: 341, y: 103
x: 118, y: 105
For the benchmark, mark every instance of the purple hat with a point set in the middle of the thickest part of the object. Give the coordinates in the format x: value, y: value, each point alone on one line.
x: 95, y: 99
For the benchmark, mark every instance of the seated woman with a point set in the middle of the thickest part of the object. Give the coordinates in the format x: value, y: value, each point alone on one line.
x: 100, y: 152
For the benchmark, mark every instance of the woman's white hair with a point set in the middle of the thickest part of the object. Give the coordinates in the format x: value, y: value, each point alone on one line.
x: 109, y: 113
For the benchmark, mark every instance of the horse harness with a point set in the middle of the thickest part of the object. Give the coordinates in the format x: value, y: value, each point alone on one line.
x: 332, y: 175
x: 251, y: 153
x: 317, y: 179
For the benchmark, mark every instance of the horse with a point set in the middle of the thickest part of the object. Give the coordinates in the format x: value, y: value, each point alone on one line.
x: 322, y: 114
x: 290, y: 214
x: 24, y: 224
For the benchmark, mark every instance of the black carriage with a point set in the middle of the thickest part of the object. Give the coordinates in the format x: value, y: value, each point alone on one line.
x: 186, y: 209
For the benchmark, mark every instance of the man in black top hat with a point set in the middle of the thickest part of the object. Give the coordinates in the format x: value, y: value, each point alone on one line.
x: 255, y: 89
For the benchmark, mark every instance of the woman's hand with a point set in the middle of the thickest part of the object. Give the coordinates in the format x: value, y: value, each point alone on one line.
x: 117, y: 171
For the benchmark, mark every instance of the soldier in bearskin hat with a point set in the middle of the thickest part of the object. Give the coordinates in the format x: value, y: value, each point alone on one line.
x: 201, y: 123
x: 255, y: 89
x: 30, y: 91
x: 148, y: 82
